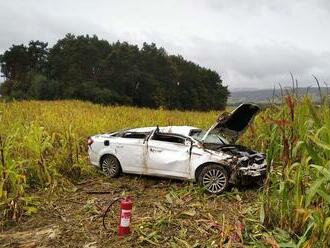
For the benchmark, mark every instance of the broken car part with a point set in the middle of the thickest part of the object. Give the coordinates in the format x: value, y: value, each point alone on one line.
x: 184, y: 152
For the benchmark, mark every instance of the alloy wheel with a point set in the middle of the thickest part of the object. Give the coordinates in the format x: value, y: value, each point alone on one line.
x: 110, y: 166
x: 214, y: 180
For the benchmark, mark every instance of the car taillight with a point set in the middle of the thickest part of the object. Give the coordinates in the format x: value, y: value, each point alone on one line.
x: 90, y: 141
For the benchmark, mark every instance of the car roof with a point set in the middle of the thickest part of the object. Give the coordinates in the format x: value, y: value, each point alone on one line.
x: 182, y: 130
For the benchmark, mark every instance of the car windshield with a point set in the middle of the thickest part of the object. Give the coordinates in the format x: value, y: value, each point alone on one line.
x: 211, y: 138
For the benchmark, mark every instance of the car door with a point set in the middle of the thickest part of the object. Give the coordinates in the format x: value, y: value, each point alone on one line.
x: 130, y: 149
x: 168, y: 155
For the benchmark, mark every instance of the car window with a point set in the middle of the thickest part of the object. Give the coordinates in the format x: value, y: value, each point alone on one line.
x: 134, y: 135
x: 168, y: 138
x: 211, y: 138
x: 197, y: 134
x: 214, y: 139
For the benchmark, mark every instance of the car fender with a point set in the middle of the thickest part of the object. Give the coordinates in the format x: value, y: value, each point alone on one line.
x: 106, y: 151
x: 202, y: 157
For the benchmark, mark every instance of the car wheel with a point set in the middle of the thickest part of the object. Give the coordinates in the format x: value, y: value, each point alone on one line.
x: 214, y: 178
x: 110, y: 166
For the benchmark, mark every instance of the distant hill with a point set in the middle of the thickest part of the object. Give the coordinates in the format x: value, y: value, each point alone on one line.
x: 238, y: 96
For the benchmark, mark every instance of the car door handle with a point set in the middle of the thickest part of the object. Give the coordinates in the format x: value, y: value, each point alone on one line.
x: 119, y: 146
x: 155, y: 150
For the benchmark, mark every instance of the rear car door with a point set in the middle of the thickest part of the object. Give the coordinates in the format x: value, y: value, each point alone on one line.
x: 129, y: 149
x: 168, y: 155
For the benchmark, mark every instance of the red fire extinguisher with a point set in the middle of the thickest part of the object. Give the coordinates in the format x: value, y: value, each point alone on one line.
x: 125, y: 216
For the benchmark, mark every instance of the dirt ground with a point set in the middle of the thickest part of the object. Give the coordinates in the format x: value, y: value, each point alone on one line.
x: 166, y: 213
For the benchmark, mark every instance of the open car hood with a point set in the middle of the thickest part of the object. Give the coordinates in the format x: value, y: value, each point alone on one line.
x: 232, y: 125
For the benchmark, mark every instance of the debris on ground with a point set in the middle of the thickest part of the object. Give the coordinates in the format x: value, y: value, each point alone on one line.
x: 166, y: 212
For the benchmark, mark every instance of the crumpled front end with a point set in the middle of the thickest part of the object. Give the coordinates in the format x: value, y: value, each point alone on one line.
x: 254, y: 165
x: 251, y: 167
x: 247, y: 166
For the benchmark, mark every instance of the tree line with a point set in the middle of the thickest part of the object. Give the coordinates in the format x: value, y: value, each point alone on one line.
x: 92, y: 69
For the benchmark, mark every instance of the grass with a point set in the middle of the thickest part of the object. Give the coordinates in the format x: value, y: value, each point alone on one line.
x: 43, y: 153
x: 166, y: 213
x: 43, y: 144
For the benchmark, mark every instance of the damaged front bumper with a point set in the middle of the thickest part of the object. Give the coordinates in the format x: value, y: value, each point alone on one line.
x: 250, y: 174
x: 254, y: 170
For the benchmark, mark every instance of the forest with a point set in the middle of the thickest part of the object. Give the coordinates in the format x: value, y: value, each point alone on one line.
x: 91, y: 69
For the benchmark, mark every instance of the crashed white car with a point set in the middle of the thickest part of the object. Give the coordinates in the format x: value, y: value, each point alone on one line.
x: 183, y: 152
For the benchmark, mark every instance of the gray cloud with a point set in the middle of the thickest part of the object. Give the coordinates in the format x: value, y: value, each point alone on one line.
x: 261, y: 66
x: 250, y: 43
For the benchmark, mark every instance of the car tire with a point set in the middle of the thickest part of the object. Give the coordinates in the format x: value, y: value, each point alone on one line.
x: 110, y: 166
x: 213, y: 178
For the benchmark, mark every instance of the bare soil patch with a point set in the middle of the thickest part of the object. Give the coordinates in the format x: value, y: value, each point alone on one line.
x: 166, y: 213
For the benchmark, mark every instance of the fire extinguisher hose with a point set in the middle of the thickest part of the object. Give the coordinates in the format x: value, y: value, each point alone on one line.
x: 108, y: 209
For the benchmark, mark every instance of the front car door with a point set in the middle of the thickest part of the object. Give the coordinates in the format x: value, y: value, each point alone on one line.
x: 168, y: 155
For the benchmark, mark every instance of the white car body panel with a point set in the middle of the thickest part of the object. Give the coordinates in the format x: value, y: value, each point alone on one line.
x: 169, y: 159
x: 129, y: 153
x: 153, y: 157
x: 185, y: 152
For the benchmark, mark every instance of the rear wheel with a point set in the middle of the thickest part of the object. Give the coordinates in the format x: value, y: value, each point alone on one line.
x: 214, y: 178
x: 110, y: 166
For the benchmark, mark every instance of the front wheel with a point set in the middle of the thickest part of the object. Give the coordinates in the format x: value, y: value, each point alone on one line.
x: 214, y: 178
x: 110, y: 166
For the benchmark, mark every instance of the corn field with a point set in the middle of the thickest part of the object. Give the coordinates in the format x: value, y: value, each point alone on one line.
x: 43, y: 151
x: 43, y: 144
x: 296, y: 197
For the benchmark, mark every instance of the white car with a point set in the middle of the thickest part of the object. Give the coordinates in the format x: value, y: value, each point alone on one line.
x: 183, y: 152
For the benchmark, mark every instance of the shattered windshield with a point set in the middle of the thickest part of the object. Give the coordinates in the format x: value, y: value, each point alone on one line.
x: 212, y: 138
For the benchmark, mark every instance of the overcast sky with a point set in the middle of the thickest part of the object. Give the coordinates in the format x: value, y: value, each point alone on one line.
x: 251, y: 44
